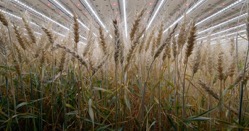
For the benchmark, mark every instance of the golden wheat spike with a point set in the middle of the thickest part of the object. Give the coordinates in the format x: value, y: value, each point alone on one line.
x: 3, y: 19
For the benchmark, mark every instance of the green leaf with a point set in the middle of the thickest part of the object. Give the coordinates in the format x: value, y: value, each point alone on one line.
x: 21, y: 104
x: 98, y: 82
x: 153, y: 123
x: 103, y: 128
x: 156, y: 100
x: 72, y: 113
x: 198, y: 119
x: 206, y: 112
x: 7, y: 68
x: 127, y: 101
x: 171, y: 122
x: 28, y: 116
x: 91, y: 114
x: 170, y: 84
x: 224, y: 122
x: 69, y: 106
x: 101, y: 89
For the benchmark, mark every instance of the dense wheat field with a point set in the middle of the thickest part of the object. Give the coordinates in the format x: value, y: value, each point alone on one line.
x: 151, y: 81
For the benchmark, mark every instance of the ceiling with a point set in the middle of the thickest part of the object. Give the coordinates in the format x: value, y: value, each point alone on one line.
x: 93, y: 14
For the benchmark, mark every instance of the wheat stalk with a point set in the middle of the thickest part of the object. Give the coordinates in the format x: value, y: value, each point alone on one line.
x: 136, y: 25
x: 3, y: 19
x: 19, y: 56
x: 182, y: 36
x: 190, y: 42
x: 49, y: 35
x: 103, y: 44
x: 197, y: 60
x: 89, y: 45
x: 19, y: 38
x: 29, y: 30
x: 76, y: 32
x: 62, y: 61
x: 174, y: 47
x: 220, y: 66
x: 167, y: 41
x: 150, y: 38
x: 132, y: 49
x: 74, y: 54
x: 159, y: 36
x: 189, y: 49
x: 117, y: 42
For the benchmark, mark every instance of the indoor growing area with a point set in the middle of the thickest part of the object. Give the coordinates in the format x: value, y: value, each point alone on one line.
x: 124, y: 65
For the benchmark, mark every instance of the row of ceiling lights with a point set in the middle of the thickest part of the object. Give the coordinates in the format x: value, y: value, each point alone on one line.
x: 19, y: 18
x: 89, y: 6
x: 44, y: 16
x: 124, y: 4
x: 210, y: 17
x: 68, y: 12
x: 221, y: 24
x: 71, y: 15
x: 227, y: 30
x: 230, y: 34
x: 188, y: 11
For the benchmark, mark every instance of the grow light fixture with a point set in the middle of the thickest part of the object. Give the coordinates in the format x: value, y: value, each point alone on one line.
x: 239, y: 26
x: 180, y: 18
x: 229, y: 29
x: 30, y: 8
x: 83, y: 37
x: 35, y: 11
x: 230, y: 34
x: 38, y: 33
x: 223, y: 23
x: 195, y: 6
x: 154, y: 15
x: 83, y: 24
x: 219, y: 12
x: 94, y: 13
x: 69, y: 13
x: 227, y: 35
x: 125, y: 18
x: 62, y: 7
x: 59, y: 34
x: 19, y: 18
x: 10, y: 14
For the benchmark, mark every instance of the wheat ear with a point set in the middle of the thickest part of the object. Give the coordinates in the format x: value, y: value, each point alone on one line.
x: 74, y: 54
x: 3, y: 19
x: 19, y: 38
x: 76, y: 32
x: 136, y: 24
x: 49, y: 35
x: 29, y: 30
x: 102, y: 41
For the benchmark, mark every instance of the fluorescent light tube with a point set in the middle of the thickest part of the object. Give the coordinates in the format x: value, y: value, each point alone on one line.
x: 219, y: 12
x: 239, y: 26
x: 180, y: 18
x: 125, y: 18
x: 27, y: 7
x: 96, y: 16
x: 154, y: 15
x: 19, y: 18
x: 68, y: 12
x: 223, y: 23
